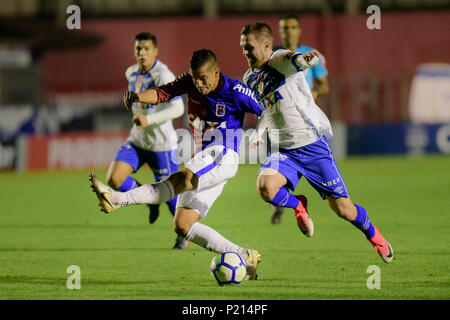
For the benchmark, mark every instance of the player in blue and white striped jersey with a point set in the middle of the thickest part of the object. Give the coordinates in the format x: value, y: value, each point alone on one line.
x: 299, y: 130
x: 316, y: 76
x: 152, y: 139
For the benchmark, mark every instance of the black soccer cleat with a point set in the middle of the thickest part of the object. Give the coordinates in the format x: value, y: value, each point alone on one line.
x: 154, y: 213
x: 276, y: 214
x: 180, y: 243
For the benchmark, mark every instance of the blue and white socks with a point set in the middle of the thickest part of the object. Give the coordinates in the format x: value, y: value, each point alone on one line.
x: 128, y: 184
x: 362, y: 222
x: 284, y: 199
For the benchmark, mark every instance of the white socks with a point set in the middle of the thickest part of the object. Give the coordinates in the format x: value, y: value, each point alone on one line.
x: 211, y: 240
x: 146, y: 194
x: 163, y: 191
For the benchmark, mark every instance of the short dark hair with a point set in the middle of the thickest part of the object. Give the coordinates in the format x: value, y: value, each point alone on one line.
x: 145, y: 36
x: 290, y: 16
x: 259, y: 29
x: 200, y: 57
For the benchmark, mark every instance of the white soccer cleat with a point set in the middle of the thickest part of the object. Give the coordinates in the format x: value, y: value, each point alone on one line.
x: 254, y: 258
x: 103, y: 192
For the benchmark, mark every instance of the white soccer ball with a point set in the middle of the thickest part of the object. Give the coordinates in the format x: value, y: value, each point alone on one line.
x: 228, y: 268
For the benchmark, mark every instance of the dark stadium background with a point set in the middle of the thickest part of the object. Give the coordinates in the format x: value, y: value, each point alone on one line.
x: 54, y: 80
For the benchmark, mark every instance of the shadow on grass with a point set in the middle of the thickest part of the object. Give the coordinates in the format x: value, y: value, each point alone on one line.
x: 81, y: 249
x: 103, y: 226
x: 62, y: 281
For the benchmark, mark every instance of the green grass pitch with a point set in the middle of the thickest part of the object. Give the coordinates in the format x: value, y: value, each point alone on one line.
x: 49, y: 221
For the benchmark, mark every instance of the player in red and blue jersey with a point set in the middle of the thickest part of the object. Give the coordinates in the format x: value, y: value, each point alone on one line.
x: 216, y: 108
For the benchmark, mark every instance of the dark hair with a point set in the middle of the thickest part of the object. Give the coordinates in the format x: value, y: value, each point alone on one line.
x: 259, y: 29
x: 290, y: 16
x: 200, y: 57
x: 145, y: 36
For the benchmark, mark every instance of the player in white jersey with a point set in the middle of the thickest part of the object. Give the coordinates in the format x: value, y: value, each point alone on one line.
x: 316, y: 76
x: 299, y: 130
x: 152, y: 139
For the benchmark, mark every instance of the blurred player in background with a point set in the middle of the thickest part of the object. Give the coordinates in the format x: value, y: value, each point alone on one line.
x: 216, y: 107
x: 316, y: 76
x: 152, y: 139
x: 300, y: 130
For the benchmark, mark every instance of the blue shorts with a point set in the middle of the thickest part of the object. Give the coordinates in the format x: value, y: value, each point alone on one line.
x: 314, y: 161
x: 162, y: 163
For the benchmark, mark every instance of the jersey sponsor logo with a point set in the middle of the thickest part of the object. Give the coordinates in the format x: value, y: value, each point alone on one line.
x: 244, y: 90
x: 220, y: 109
x: 331, y: 182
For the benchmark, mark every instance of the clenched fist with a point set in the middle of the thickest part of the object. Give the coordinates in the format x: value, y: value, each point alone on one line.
x: 307, y: 60
x: 129, y: 98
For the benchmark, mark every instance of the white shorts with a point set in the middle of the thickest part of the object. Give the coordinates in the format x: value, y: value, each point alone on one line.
x: 213, y: 166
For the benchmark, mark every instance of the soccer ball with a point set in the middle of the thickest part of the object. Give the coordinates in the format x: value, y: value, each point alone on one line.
x: 228, y: 268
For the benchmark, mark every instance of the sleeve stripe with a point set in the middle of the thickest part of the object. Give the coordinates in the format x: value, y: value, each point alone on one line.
x: 174, y: 99
x: 293, y: 61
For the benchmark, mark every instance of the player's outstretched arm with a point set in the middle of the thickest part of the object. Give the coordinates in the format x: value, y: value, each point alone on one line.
x: 290, y: 62
x: 147, y: 96
x: 166, y: 111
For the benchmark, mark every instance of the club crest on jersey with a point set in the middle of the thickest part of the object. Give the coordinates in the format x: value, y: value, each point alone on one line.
x: 138, y: 84
x: 260, y: 86
x: 220, y: 109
